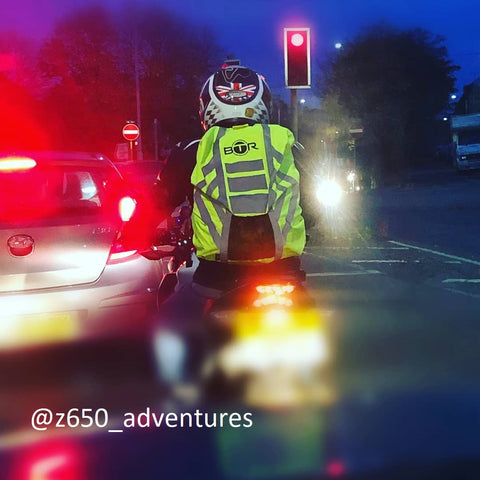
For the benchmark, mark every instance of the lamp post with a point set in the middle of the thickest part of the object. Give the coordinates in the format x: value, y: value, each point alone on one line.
x: 137, y: 95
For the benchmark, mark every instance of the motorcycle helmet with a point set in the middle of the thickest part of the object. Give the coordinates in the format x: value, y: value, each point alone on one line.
x: 235, y: 95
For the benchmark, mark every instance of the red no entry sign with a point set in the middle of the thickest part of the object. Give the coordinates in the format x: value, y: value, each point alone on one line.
x: 130, y: 132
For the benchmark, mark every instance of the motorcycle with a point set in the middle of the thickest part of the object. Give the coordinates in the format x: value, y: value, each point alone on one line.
x: 263, y: 342
x: 267, y: 344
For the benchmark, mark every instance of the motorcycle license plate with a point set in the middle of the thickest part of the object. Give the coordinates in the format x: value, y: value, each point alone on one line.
x: 275, y: 323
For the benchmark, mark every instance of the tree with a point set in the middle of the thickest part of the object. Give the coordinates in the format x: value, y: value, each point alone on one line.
x: 394, y: 83
x: 22, y: 127
x: 174, y: 58
x: 94, y: 61
x: 88, y: 93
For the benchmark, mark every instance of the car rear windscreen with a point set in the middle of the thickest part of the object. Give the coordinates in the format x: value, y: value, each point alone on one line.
x: 54, y: 192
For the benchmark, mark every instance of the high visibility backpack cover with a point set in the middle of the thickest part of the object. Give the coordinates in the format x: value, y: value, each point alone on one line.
x: 246, y: 195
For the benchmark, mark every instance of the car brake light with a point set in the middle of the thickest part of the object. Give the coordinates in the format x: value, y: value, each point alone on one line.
x: 126, y: 208
x: 17, y: 163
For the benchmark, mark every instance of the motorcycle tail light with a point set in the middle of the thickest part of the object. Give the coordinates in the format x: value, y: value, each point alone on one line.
x: 274, y: 295
x: 276, y: 289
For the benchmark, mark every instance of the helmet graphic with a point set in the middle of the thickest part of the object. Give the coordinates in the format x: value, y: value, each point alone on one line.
x: 234, y: 95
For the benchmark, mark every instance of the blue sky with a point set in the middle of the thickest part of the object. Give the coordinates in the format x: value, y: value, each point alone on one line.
x: 252, y: 29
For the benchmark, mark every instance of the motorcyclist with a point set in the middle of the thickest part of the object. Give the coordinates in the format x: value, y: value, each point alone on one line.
x: 243, y: 184
x: 235, y: 98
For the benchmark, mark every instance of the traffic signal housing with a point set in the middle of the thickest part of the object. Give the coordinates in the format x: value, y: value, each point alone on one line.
x: 297, y: 57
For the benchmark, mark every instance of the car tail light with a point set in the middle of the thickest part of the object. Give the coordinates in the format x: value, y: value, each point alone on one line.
x: 17, y: 163
x: 126, y: 208
x: 122, y: 250
x: 119, y: 254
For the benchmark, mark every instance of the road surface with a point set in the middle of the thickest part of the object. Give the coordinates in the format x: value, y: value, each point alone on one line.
x: 399, y: 293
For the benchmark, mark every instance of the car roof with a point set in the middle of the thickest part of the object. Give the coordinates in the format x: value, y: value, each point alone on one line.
x: 46, y: 155
x: 65, y: 158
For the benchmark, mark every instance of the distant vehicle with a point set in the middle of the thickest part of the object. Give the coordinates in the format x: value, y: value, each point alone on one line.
x: 140, y: 173
x: 73, y: 252
x: 466, y: 141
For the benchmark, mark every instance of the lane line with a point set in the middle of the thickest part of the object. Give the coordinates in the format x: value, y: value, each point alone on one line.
x: 379, y: 261
x: 386, y: 248
x: 316, y: 255
x: 460, y: 292
x: 461, y: 280
x: 435, y: 252
x: 355, y: 248
x: 344, y: 274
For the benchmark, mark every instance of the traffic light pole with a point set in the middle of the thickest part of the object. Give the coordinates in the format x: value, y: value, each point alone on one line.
x: 296, y: 46
x: 294, y: 110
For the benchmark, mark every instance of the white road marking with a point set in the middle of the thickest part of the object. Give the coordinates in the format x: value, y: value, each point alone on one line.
x: 461, y: 280
x: 435, y: 252
x: 386, y: 248
x: 460, y: 292
x: 343, y: 274
x: 313, y: 254
x: 356, y: 248
x: 379, y: 261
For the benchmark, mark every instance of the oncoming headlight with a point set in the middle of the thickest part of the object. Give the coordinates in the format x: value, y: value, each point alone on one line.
x: 329, y: 193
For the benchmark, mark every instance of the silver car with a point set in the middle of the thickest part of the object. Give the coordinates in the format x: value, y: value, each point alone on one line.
x: 72, y: 235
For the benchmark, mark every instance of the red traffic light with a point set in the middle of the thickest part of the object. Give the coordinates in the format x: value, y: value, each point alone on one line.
x: 297, y: 57
x: 297, y: 40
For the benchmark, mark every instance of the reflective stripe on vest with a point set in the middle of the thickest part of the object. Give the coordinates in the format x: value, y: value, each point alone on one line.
x: 246, y: 171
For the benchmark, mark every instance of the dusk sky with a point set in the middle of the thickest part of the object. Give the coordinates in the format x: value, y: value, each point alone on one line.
x: 252, y: 29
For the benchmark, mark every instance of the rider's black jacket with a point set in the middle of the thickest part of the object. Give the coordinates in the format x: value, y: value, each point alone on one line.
x: 173, y: 187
